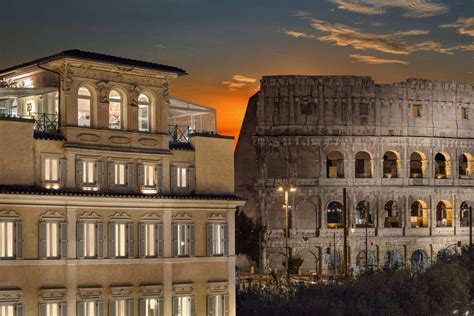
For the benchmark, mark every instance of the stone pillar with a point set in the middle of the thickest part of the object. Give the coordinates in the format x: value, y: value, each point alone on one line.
x: 132, y: 118
x: 103, y: 115
x: 167, y: 234
x: 167, y: 287
x: 71, y: 281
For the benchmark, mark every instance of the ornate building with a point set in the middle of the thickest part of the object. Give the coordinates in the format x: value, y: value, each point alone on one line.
x: 115, y: 199
x: 403, y: 151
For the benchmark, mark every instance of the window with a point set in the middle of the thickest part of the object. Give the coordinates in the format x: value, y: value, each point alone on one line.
x: 416, y: 165
x: 392, y: 215
x: 90, y: 308
x: 218, y: 305
x: 120, y: 173
x: 84, y: 101
x: 151, y: 239
x: 149, y: 172
x: 419, y: 215
x: 464, y: 214
x: 363, y: 165
x: 334, y: 215
x: 53, y: 239
x: 335, y: 165
x: 120, y: 234
x: 217, y: 239
x: 50, y: 309
x: 390, y: 165
x: 115, y: 110
x: 7, y: 310
x: 183, y: 306
x: 364, y: 108
x: 440, y: 166
x: 416, y: 110
x: 464, y: 168
x: 363, y: 215
x: 183, y: 239
x: 90, y: 239
x: 465, y: 113
x: 151, y: 307
x: 444, y: 215
x: 51, y: 169
x: 8, y: 242
x: 88, y: 173
x: 143, y: 113
x: 181, y: 177
x: 121, y: 307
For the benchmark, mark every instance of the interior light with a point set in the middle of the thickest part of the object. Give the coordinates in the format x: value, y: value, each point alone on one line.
x: 280, y: 189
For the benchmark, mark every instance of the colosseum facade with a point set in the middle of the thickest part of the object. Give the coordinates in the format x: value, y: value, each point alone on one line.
x: 404, y: 153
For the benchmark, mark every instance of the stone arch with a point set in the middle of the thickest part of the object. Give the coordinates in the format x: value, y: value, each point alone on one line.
x: 419, y: 214
x: 363, y: 165
x: 334, y: 215
x: 118, y: 107
x: 419, y: 260
x: 333, y: 262
x: 276, y: 260
x: 391, y: 164
x: 311, y: 261
x: 277, y: 167
x: 465, y: 166
x: 444, y: 214
x: 305, y: 216
x: 86, y: 98
x: 306, y: 163
x: 364, y: 213
x: 442, y: 165
x: 417, y: 164
x: 392, y: 215
x: 393, y: 260
x: 464, y: 214
x: 361, y: 263
x: 335, y: 164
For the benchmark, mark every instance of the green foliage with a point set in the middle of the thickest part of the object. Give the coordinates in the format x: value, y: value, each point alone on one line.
x: 247, y: 236
x: 444, y: 288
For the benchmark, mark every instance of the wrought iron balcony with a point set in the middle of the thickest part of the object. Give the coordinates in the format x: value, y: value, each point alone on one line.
x: 43, y: 122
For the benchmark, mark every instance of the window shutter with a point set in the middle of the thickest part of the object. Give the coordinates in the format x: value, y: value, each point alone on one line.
x: 42, y: 310
x: 159, y: 176
x: 63, y: 242
x: 42, y: 240
x: 63, y: 170
x: 175, y: 240
x: 210, y: 305
x: 130, y: 307
x: 100, y: 308
x: 191, y: 240
x: 141, y: 174
x: 112, y: 253
x: 19, y: 239
x: 130, y: 241
x: 99, y: 170
x: 142, y: 241
x: 159, y: 240
x: 80, y: 240
x: 81, y: 308
x: 112, y: 309
x: 160, y: 310
x: 191, y: 178
x: 174, y: 177
x: 64, y: 309
x: 79, y: 172
x: 142, y: 306
x: 176, y: 306
x: 226, y: 305
x: 225, y: 238
x: 193, y: 306
x: 209, y: 240
x: 131, y: 175
x: 100, y: 240
x: 20, y: 310
x: 111, y: 173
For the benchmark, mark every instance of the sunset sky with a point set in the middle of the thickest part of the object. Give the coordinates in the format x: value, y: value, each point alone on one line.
x: 228, y: 45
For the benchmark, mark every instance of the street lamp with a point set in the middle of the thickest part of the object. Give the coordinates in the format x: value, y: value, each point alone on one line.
x: 286, y: 190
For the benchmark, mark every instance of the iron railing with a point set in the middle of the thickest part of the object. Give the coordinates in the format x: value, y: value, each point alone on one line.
x: 43, y: 122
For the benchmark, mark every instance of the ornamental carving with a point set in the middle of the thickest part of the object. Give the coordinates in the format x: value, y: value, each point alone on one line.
x: 10, y: 296
x: 148, y: 142
x: 182, y: 217
x: 183, y: 289
x: 103, y: 91
x: 52, y: 215
x: 134, y: 94
x: 66, y: 77
x: 10, y: 214
x: 216, y: 217
x: 120, y: 215
x: 217, y: 287
x: 89, y: 293
x: 52, y: 295
x: 121, y: 291
x: 89, y: 215
x: 92, y: 138
x: 151, y: 290
x: 119, y: 140
x: 150, y: 217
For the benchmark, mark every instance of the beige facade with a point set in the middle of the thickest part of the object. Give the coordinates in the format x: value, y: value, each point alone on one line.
x: 107, y: 205
x: 403, y: 151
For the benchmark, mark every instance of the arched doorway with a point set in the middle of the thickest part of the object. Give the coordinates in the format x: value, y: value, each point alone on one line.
x: 392, y: 215
x: 444, y: 214
x: 334, y: 215
x: 393, y: 260
x: 419, y: 260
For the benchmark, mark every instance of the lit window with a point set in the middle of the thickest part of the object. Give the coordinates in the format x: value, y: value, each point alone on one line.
x: 51, y: 169
x: 7, y: 310
x: 181, y: 177
x: 90, y: 235
x: 84, y: 101
x: 120, y: 173
x: 151, y: 307
x: 89, y: 308
x: 7, y: 240
x: 183, y: 306
x: 120, y: 239
x: 52, y: 239
x: 150, y: 240
x: 115, y: 110
x: 143, y: 113
x: 183, y: 239
x: 217, y: 239
x: 52, y: 309
x: 149, y: 175
x: 119, y: 308
x: 416, y: 110
x: 465, y: 113
x: 88, y: 172
x: 218, y: 305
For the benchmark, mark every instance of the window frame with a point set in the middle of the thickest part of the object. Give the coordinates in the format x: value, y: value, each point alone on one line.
x: 87, y: 98
x: 113, y: 101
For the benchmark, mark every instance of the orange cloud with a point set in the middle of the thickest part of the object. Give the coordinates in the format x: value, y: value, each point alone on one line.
x: 373, y: 60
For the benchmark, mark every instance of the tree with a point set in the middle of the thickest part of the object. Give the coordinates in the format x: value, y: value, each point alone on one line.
x: 248, y: 235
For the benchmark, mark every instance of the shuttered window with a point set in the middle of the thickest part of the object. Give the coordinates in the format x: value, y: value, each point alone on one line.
x: 218, y: 305
x: 217, y: 239
x: 90, y: 240
x: 7, y: 239
x: 181, y: 177
x: 121, y: 307
x: 7, y: 310
x: 183, y: 239
x: 88, y: 172
x: 121, y: 240
x: 90, y: 308
x: 51, y: 169
x: 53, y: 309
x: 184, y: 306
x: 149, y: 175
x: 151, y: 239
x: 120, y: 173
x: 151, y: 307
x: 49, y: 239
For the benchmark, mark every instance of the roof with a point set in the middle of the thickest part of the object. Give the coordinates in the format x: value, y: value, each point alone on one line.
x: 79, y: 54
x: 35, y: 190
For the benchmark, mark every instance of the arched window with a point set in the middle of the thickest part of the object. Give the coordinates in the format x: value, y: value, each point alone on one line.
x: 84, y: 102
x: 444, y: 254
x: 334, y: 215
x: 143, y: 113
x: 464, y: 214
x: 335, y: 165
x: 416, y: 165
x: 364, y: 263
x: 444, y: 215
x: 419, y: 215
x: 363, y: 215
x: 419, y: 260
x: 440, y: 166
x: 390, y: 168
x: 115, y: 110
x: 464, y: 169
x: 363, y: 165
x: 392, y: 215
x: 393, y: 260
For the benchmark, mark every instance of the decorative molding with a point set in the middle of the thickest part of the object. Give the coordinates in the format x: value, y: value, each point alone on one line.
x: 148, y: 142
x: 52, y: 295
x: 89, y: 293
x: 66, y: 77
x: 103, y: 91
x: 150, y: 217
x: 183, y: 289
x: 92, y: 138
x: 217, y: 218
x: 120, y: 216
x: 151, y: 290
x: 134, y: 94
x: 217, y: 287
x: 10, y: 296
x: 55, y: 215
x: 89, y: 215
x: 119, y: 140
x: 182, y: 217
x: 9, y: 214
x: 121, y: 291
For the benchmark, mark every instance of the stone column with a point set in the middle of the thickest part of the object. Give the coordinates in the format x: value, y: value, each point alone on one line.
x: 132, y: 119
x: 71, y: 283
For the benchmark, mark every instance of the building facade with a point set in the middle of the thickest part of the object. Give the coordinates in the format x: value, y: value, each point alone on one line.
x: 115, y: 199
x: 404, y: 152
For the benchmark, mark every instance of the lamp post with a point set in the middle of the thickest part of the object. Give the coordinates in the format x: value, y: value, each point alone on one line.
x: 286, y: 190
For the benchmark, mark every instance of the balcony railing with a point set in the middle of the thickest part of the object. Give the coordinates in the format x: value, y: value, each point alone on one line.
x: 183, y: 134
x: 43, y: 122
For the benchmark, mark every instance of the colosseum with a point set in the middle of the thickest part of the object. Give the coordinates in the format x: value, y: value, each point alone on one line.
x: 403, y: 152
